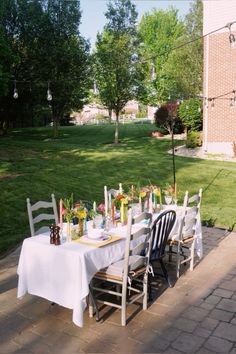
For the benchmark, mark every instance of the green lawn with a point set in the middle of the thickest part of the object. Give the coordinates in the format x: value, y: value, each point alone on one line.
x: 83, y: 160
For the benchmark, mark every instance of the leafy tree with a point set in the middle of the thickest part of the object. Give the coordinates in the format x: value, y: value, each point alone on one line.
x: 185, y: 63
x: 167, y: 116
x: 117, y: 77
x: 191, y: 115
x: 50, y: 51
x: 160, y: 31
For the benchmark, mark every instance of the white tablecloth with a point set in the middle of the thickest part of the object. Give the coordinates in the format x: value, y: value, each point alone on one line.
x: 62, y: 273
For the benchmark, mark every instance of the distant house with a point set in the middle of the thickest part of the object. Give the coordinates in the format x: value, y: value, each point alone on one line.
x: 219, y: 115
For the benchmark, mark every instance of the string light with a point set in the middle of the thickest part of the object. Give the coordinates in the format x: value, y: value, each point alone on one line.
x: 232, y: 40
x: 15, y: 93
x: 49, y: 94
x: 212, y: 103
x: 153, y: 74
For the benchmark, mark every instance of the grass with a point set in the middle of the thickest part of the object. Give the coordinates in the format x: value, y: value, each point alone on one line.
x: 82, y: 160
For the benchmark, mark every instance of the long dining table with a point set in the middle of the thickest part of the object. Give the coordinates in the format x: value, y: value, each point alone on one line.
x: 62, y: 274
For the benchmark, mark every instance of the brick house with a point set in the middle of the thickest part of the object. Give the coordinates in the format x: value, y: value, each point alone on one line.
x: 219, y: 114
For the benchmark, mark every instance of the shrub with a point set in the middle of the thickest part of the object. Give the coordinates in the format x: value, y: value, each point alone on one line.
x: 191, y: 114
x: 193, y: 139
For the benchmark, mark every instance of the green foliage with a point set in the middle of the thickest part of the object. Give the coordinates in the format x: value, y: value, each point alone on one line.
x: 166, y: 116
x: 118, y: 79
x: 160, y: 31
x: 178, y: 71
x: 190, y: 114
x: 48, y: 48
x: 193, y: 140
x: 82, y: 161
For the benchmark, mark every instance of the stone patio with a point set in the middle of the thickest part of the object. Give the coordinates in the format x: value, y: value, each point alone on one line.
x: 197, y: 315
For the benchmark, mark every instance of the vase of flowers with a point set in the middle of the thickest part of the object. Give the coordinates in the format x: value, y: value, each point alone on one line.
x: 121, y: 203
x: 68, y: 214
x: 81, y: 213
x: 144, y: 194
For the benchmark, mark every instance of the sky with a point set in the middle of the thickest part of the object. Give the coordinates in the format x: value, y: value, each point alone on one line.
x: 93, y: 18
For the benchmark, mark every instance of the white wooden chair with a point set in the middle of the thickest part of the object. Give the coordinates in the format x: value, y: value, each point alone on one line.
x: 127, y: 279
x: 39, y: 212
x: 187, y: 231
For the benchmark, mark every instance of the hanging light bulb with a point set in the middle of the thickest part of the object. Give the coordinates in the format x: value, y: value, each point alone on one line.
x: 95, y: 90
x: 199, y: 109
x: 232, y: 40
x: 153, y: 74
x: 231, y: 102
x: 187, y: 107
x: 49, y: 94
x: 15, y: 93
x: 234, y: 92
x: 206, y: 102
x: 212, y: 103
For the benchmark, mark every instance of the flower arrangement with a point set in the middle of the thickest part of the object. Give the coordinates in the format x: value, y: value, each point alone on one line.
x: 169, y: 190
x: 67, y: 209
x: 120, y: 199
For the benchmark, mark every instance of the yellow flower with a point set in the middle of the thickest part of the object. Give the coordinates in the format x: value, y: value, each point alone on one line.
x: 142, y: 194
x: 157, y: 192
x: 82, y: 214
x: 124, y: 201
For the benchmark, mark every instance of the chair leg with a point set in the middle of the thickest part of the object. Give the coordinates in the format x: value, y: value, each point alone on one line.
x: 178, y: 261
x: 165, y: 273
x: 192, y: 255
x: 170, y: 253
x: 93, y: 304
x: 145, y: 291
x: 150, y: 298
x: 123, y: 306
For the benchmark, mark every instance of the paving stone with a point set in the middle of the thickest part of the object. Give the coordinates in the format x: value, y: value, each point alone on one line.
x: 185, y: 324
x: 212, y: 299
x: 226, y: 331
x: 233, y: 321
x: 8, y: 347
x: 202, y: 332
x: 195, y: 313
x: 233, y: 351
x: 209, y: 323
x: 170, y: 333
x: 221, y: 315
x: 188, y: 343
x: 227, y: 304
x: 223, y: 293
x: 228, y: 285
x: 207, y: 306
x: 218, y: 345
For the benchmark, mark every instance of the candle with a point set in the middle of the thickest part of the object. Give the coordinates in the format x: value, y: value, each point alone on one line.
x: 60, y: 212
x: 122, y: 212
x: 106, y: 200
x: 132, y: 193
x: 120, y: 188
x: 94, y: 207
x: 160, y: 197
x: 140, y: 204
x: 113, y: 214
x: 150, y: 203
x: 109, y: 202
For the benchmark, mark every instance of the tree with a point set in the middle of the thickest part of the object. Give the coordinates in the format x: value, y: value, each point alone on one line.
x: 50, y: 54
x: 159, y: 31
x: 117, y: 76
x: 185, y: 63
x: 191, y: 115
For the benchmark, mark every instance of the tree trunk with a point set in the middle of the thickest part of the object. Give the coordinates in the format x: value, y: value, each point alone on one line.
x: 55, y: 127
x: 110, y: 115
x: 116, y: 141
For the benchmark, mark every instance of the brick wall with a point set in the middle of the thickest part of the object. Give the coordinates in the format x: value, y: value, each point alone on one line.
x: 219, y: 123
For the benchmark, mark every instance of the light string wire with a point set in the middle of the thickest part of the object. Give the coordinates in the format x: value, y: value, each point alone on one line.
x: 228, y: 25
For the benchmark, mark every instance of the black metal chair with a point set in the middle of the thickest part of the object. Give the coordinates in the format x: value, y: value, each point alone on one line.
x: 161, y: 230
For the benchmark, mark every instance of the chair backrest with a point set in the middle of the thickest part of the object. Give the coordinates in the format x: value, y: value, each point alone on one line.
x: 42, y: 215
x: 161, y: 230
x: 191, y: 214
x: 138, y: 244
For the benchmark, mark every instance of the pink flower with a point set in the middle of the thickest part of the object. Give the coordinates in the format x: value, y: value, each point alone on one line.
x: 101, y: 207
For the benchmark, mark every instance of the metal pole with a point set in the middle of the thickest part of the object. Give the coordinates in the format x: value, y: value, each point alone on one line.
x: 173, y: 157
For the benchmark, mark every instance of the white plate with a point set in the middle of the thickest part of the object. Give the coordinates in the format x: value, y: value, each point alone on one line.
x: 94, y: 234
